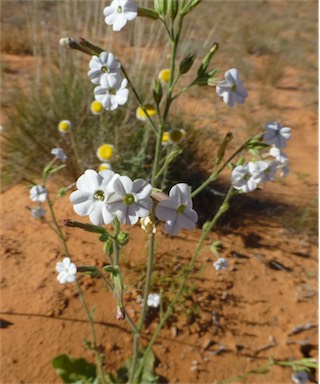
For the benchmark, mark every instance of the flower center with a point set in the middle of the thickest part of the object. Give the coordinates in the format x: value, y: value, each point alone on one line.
x: 181, y: 208
x: 234, y: 88
x: 129, y: 199
x: 99, y: 195
x: 112, y: 91
x: 119, y: 9
x: 104, y: 69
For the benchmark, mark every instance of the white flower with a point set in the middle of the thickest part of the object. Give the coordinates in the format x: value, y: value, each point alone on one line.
x: 38, y: 211
x: 110, y: 94
x: 276, y: 134
x: 220, y: 264
x: 265, y: 171
x: 300, y: 377
x: 130, y: 200
x: 38, y: 193
x: 242, y: 177
x: 119, y: 12
x: 232, y: 89
x: 104, y: 65
x: 59, y: 153
x: 177, y: 210
x: 153, y: 300
x: 67, y: 271
x: 90, y: 198
x: 283, y: 161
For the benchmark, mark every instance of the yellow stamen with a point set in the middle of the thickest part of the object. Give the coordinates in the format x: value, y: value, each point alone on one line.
x: 105, y: 152
x: 141, y: 115
x: 164, y: 75
x: 96, y: 107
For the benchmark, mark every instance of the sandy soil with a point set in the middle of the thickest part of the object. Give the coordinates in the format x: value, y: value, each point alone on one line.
x: 240, y: 316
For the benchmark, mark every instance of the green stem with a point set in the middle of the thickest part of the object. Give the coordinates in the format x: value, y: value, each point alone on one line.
x: 216, y: 172
x: 93, y: 334
x: 81, y: 296
x: 75, y: 151
x: 137, y: 335
x: 207, y: 228
x: 154, y: 127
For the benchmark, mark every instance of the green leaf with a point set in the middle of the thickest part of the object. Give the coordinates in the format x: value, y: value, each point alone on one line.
x: 147, y: 375
x: 74, y: 371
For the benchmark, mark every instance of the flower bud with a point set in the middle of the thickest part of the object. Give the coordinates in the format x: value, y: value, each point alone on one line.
x: 221, y: 151
x: 189, y: 6
x: 147, y: 12
x: 157, y: 91
x: 186, y: 64
x: 206, y: 60
x: 160, y: 6
x: 173, y: 7
x: 123, y: 238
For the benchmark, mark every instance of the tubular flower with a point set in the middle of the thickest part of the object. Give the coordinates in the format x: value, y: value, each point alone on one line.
x: 59, y: 154
x: 111, y: 94
x: 119, y: 12
x: 231, y: 89
x: 277, y: 135
x: 104, y: 65
x: 177, y: 210
x: 38, y: 193
x: 67, y: 271
x: 242, y: 177
x: 90, y: 198
x: 130, y: 200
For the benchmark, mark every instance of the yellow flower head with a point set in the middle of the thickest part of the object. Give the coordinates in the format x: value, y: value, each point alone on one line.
x: 64, y: 126
x: 105, y: 152
x: 165, y: 138
x: 176, y: 135
x: 96, y: 107
x: 105, y: 166
x: 164, y: 75
x: 141, y: 114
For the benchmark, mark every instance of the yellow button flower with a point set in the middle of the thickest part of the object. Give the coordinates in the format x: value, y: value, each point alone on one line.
x: 141, y: 115
x: 165, y: 138
x: 96, y: 107
x: 105, y: 166
x: 176, y: 135
x: 164, y: 75
x: 105, y: 152
x: 64, y: 126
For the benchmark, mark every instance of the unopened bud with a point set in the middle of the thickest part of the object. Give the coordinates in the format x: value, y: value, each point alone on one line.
x: 221, y: 151
x: 186, y: 64
x: 123, y: 238
x: 161, y: 7
x: 206, y: 60
x: 173, y: 7
x: 157, y: 91
x: 147, y: 12
x: 189, y: 6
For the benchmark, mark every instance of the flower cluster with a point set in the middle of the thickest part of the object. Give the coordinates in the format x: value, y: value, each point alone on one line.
x: 247, y: 177
x: 111, y: 90
x: 106, y: 195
